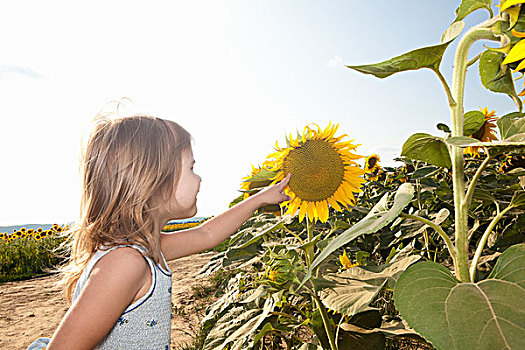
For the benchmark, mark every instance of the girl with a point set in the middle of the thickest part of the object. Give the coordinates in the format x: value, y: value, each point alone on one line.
x: 137, y: 174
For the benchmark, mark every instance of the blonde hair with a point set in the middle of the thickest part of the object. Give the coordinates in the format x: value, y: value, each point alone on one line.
x: 125, y: 164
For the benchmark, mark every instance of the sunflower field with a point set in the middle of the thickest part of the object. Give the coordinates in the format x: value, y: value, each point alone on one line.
x: 425, y: 255
x: 25, y: 253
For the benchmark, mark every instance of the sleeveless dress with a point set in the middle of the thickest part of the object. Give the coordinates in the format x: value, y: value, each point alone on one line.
x: 145, y: 324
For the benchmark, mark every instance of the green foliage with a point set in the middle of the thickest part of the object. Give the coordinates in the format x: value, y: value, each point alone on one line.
x: 427, y: 57
x: 495, y: 77
x: 427, y: 148
x: 454, y: 315
x: 27, y: 257
x: 468, y: 6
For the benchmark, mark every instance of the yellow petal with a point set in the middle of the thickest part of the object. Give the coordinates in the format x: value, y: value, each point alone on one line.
x: 510, y: 3
x: 516, y: 53
x: 302, y: 210
x: 333, y: 203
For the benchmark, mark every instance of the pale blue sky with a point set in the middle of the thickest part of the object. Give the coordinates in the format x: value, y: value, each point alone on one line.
x: 237, y: 74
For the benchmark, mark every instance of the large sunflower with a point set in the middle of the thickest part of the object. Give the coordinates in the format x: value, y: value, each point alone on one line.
x: 486, y: 133
x: 323, y: 172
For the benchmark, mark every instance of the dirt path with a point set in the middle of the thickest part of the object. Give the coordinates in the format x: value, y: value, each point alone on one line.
x: 33, y: 308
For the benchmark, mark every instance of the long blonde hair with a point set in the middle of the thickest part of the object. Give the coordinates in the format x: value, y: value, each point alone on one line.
x: 125, y: 163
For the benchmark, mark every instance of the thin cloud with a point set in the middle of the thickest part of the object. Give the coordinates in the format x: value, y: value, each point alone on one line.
x: 334, y: 61
x: 19, y: 70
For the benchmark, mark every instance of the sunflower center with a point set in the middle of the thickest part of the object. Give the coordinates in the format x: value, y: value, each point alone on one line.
x: 317, y: 170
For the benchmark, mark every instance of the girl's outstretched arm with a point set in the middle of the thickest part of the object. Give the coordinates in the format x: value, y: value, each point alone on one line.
x: 214, y: 231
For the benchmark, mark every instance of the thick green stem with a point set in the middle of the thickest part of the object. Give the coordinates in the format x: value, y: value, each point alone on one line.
x: 324, y: 315
x: 483, y: 241
x: 458, y: 85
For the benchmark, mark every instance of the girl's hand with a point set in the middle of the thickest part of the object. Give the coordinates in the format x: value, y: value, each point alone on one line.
x: 274, y: 194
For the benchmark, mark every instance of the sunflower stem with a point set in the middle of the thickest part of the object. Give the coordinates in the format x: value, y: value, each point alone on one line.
x: 474, y: 181
x: 484, y: 239
x: 439, y: 230
x: 450, y: 98
x: 324, y: 315
x: 461, y: 210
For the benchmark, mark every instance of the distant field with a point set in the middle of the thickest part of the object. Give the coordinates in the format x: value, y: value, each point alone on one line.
x: 10, y: 229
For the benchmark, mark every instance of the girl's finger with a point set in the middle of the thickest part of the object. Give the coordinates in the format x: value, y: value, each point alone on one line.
x: 285, y: 181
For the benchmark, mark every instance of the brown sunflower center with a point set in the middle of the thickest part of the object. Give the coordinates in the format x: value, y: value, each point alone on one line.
x: 317, y: 170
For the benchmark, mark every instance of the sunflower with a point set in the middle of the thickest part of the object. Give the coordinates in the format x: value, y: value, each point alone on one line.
x: 515, y: 58
x: 486, y: 133
x: 346, y: 262
x: 247, y: 185
x: 323, y: 172
x: 512, y: 162
x: 372, y: 163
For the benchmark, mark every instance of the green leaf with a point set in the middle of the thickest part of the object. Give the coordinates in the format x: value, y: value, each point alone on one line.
x: 509, y: 266
x: 511, y: 124
x: 356, y: 288
x: 237, y: 327
x: 378, y: 217
x: 426, y: 57
x: 496, y: 79
x: 468, y: 6
x: 473, y: 121
x: 444, y: 128
x: 461, y: 141
x: 456, y: 316
x: 423, y: 172
x: 518, y: 199
x: 494, y: 148
x: 427, y: 148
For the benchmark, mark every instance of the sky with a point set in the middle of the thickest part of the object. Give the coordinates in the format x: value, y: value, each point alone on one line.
x: 238, y: 75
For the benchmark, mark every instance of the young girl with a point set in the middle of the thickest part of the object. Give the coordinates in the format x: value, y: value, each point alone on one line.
x: 137, y: 174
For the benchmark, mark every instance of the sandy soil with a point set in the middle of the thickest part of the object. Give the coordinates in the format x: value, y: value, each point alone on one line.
x: 33, y: 308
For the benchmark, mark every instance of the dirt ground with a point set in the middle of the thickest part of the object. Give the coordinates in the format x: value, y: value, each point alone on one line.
x: 33, y: 308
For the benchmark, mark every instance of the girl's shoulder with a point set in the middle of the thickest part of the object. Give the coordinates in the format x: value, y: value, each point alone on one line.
x: 122, y: 259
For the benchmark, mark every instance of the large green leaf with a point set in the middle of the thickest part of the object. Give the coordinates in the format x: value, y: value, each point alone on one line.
x: 378, y: 217
x: 495, y: 78
x: 237, y: 328
x: 468, y: 6
x: 426, y: 57
x: 454, y: 316
x: 473, y: 121
x: 494, y: 148
x: 357, y: 287
x: 428, y: 148
x: 511, y: 124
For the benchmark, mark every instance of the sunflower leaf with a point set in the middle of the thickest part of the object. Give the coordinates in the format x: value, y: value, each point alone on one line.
x: 453, y: 315
x: 354, y: 289
x: 427, y: 148
x: 468, y: 6
x: 262, y: 176
x: 515, y: 143
x: 496, y: 79
x: 473, y: 121
x: 511, y: 124
x: 426, y: 57
x: 378, y: 217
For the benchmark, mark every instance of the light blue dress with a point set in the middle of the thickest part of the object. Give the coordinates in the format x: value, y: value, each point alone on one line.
x: 145, y: 324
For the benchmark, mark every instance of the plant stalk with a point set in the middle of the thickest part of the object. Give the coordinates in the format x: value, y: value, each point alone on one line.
x: 483, y: 241
x: 461, y: 210
x: 324, y: 315
x: 439, y: 230
x: 473, y: 182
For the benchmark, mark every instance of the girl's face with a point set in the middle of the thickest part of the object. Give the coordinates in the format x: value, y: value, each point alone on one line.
x: 183, y: 203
